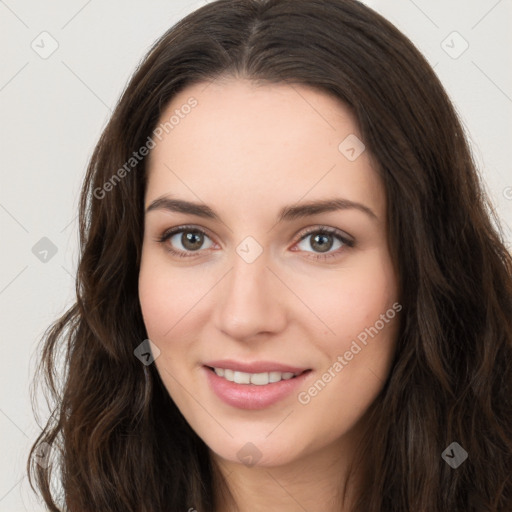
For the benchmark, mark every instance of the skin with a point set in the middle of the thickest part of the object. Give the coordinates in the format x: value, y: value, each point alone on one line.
x: 246, y: 151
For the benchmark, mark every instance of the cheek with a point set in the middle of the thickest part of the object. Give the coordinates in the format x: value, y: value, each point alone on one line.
x: 359, y: 342
x: 351, y: 299
x: 154, y: 301
x: 165, y: 296
x: 174, y: 304
x: 166, y: 300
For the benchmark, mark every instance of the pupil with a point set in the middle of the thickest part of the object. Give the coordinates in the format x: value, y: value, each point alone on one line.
x: 325, y: 246
x: 188, y: 240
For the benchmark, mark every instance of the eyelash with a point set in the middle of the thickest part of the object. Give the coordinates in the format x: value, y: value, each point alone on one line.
x: 324, y: 230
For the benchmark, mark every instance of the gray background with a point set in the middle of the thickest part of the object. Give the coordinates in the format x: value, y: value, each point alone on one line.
x: 53, y: 108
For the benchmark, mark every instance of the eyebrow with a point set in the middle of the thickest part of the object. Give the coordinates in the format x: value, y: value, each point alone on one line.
x: 288, y: 213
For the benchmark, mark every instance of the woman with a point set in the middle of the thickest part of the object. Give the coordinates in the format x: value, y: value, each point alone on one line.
x: 291, y: 295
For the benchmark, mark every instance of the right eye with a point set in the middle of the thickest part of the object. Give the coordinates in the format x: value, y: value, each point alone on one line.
x: 190, y: 238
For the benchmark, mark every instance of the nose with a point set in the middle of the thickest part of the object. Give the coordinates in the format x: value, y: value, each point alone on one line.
x: 251, y: 300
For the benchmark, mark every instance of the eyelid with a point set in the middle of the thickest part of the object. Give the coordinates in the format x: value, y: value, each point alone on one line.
x: 326, y: 229
x: 185, y: 227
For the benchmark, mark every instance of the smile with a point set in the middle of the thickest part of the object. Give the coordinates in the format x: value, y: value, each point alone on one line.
x: 259, y: 379
x: 244, y: 390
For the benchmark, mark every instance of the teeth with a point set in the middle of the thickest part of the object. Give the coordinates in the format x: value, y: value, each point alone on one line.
x: 259, y: 379
x: 274, y: 376
x: 242, y: 378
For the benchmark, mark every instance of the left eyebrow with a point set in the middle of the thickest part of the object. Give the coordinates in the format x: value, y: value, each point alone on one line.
x: 288, y: 213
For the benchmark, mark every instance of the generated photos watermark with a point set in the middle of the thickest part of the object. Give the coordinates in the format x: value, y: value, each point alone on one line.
x: 305, y: 397
x: 143, y: 151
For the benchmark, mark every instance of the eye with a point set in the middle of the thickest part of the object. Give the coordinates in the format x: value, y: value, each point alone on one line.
x: 190, y: 238
x: 323, y: 240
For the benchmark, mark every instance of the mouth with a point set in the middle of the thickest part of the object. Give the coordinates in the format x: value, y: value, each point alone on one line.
x: 258, y: 379
x: 248, y: 390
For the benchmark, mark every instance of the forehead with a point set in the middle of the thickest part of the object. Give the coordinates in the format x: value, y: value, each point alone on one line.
x: 265, y: 140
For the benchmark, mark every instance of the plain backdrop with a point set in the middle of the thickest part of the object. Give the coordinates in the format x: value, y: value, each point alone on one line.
x: 64, y: 65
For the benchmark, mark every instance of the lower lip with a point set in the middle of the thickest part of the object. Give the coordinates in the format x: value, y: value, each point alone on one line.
x: 252, y: 396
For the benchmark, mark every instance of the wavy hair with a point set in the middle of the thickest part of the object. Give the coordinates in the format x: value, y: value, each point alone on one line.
x: 117, y: 440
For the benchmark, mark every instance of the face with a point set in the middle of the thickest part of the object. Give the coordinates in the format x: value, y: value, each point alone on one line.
x: 241, y: 273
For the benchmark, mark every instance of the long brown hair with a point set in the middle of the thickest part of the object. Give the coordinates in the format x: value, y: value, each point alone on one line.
x: 116, y: 437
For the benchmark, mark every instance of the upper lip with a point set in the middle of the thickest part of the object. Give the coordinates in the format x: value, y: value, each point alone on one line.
x: 255, y: 366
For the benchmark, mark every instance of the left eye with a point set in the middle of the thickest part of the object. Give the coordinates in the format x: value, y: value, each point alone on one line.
x: 323, y: 241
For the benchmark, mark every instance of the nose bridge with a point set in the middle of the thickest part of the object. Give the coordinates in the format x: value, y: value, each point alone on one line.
x: 248, y: 301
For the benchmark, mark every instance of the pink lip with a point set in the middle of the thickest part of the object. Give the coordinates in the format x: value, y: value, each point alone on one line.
x: 251, y: 396
x: 254, y: 367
